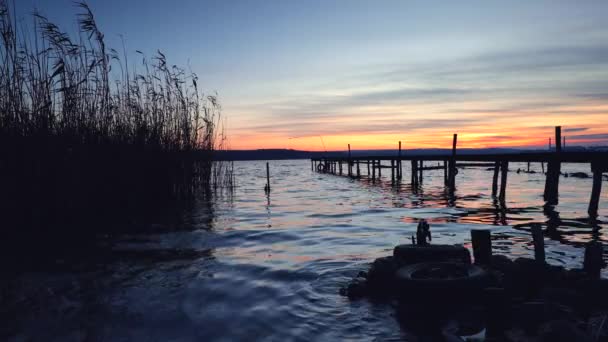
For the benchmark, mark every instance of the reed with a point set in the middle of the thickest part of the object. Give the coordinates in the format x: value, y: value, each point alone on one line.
x: 87, y: 141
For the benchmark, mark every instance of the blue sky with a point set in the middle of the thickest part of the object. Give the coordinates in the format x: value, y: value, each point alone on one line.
x: 371, y: 72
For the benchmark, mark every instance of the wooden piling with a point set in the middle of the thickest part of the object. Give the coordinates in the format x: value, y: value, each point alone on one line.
x: 452, y: 171
x: 399, y: 163
x: 379, y: 169
x: 482, y: 246
x: 495, y: 179
x: 504, y: 169
x: 414, y: 171
x: 445, y: 172
x: 267, y: 177
x: 358, y: 170
x: 420, y: 171
x: 551, y: 193
x: 373, y: 169
x: 528, y: 167
x: 350, y: 170
x: 596, y: 190
x: 368, y: 171
x: 539, y: 243
x: 594, y: 258
x: 393, y: 170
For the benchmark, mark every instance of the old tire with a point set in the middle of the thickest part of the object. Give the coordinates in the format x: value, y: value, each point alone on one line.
x: 411, y: 254
x: 446, y: 281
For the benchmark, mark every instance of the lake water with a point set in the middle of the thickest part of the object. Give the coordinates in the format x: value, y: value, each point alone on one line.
x: 255, y: 267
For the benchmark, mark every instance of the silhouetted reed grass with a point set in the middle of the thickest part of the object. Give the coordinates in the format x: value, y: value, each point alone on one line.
x: 88, y: 144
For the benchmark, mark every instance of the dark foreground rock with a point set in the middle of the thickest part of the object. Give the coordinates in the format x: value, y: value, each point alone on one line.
x: 434, y: 285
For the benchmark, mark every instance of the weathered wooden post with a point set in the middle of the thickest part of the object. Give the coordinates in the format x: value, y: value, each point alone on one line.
x: 350, y: 170
x: 420, y: 170
x: 393, y: 170
x: 482, y: 246
x: 414, y: 171
x: 452, y: 173
x: 445, y: 172
x: 551, y: 193
x: 312, y: 165
x: 373, y: 169
x: 504, y: 169
x: 379, y: 169
x: 267, y: 187
x: 539, y: 243
x: 399, y: 163
x: 594, y: 258
x: 542, y: 165
x: 358, y: 170
x: 596, y: 189
x: 368, y: 171
x: 528, y: 167
x: 495, y: 178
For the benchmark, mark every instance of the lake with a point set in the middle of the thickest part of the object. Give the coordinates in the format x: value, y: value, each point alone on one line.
x: 248, y: 266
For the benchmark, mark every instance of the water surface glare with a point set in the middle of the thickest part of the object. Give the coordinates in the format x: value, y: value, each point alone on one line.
x: 269, y: 268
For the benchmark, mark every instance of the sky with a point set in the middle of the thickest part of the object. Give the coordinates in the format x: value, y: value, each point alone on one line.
x: 320, y: 74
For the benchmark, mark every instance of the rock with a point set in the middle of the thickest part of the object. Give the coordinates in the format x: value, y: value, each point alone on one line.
x: 381, y: 275
x: 357, y: 288
x: 532, y: 315
x: 562, y: 330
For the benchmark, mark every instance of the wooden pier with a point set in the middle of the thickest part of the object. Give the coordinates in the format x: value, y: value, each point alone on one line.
x: 598, y: 162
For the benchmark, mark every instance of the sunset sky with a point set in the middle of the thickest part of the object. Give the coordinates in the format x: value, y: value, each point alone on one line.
x: 370, y: 73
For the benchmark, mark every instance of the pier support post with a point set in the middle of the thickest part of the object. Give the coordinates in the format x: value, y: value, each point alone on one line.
x: 596, y: 190
x: 539, y: 243
x: 414, y: 171
x: 393, y: 170
x: 373, y: 169
x: 495, y: 179
x: 358, y: 170
x: 420, y: 170
x: 482, y: 246
x: 368, y: 170
x: 350, y: 168
x: 553, y: 171
x: 399, y: 163
x: 504, y: 169
x: 445, y: 172
x: 379, y: 169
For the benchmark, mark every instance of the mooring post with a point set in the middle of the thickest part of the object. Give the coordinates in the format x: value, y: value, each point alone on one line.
x: 267, y: 178
x: 482, y: 246
x: 594, y: 258
x: 553, y: 171
x: 420, y: 170
x: 495, y: 178
x: 368, y: 171
x: 312, y: 165
x: 393, y: 170
x: 539, y: 243
x: 445, y: 172
x: 596, y: 190
x: 504, y: 169
x: 379, y: 169
x: 358, y: 170
x: 528, y: 167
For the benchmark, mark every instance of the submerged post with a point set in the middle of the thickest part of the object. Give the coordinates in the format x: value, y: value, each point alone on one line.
x: 482, y: 246
x: 539, y: 243
x: 504, y: 168
x: 495, y: 179
x: 596, y: 190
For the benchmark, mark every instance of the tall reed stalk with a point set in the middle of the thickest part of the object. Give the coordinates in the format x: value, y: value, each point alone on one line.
x: 87, y: 141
